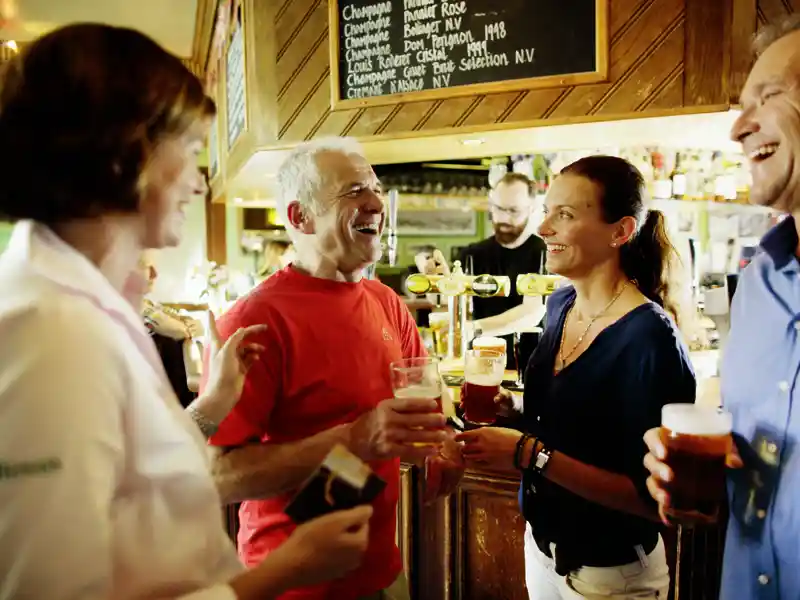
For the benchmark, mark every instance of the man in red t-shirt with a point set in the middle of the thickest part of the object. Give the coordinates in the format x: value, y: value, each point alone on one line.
x: 323, y: 377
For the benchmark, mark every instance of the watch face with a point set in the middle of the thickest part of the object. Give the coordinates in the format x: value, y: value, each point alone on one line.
x: 541, y: 459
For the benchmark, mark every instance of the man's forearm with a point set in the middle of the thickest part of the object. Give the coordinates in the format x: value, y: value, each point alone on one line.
x: 520, y: 318
x: 260, y: 471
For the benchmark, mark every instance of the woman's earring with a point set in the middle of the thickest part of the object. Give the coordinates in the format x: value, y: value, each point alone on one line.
x: 613, y: 244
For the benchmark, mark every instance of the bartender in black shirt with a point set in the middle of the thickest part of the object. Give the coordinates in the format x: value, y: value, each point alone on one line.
x: 514, y: 249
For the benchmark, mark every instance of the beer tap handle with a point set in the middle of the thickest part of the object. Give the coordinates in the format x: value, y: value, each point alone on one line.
x: 391, y: 230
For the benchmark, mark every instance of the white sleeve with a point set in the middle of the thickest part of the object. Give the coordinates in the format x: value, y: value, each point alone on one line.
x: 61, y: 458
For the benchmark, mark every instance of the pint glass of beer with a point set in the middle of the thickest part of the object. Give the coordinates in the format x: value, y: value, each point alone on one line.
x: 439, y: 322
x: 417, y: 378
x: 698, y: 439
x: 483, y: 374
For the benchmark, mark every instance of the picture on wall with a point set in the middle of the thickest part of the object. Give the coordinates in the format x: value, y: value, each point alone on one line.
x: 438, y: 222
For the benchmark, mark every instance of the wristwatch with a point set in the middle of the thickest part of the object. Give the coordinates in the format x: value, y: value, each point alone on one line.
x: 540, y: 460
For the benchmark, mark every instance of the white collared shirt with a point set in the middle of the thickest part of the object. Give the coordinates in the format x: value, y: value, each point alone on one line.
x: 105, y: 491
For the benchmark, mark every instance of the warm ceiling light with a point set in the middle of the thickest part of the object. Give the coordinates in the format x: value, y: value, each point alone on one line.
x: 472, y: 142
x: 11, y: 44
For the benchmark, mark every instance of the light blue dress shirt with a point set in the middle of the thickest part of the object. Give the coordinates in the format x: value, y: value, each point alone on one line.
x: 759, y: 386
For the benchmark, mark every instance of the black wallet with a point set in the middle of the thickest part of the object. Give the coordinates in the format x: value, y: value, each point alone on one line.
x: 342, y: 481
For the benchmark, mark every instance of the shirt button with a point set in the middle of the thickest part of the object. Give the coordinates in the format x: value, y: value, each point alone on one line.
x: 763, y: 579
x: 783, y: 386
x: 761, y: 514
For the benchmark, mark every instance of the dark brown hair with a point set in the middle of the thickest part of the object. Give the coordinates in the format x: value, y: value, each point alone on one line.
x: 81, y: 110
x: 649, y: 256
x: 514, y: 177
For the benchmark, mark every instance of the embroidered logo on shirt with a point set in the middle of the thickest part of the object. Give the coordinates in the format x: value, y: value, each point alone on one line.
x: 15, y: 470
x: 386, y: 335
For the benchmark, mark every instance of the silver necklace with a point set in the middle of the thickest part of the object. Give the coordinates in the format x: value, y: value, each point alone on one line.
x: 562, y: 358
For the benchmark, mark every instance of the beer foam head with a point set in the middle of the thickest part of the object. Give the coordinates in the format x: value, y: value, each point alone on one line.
x: 691, y: 419
x: 419, y: 391
x: 484, y: 379
x: 436, y: 318
x: 489, y: 343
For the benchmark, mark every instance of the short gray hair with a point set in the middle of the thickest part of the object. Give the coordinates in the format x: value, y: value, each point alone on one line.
x: 299, y: 177
x: 771, y: 33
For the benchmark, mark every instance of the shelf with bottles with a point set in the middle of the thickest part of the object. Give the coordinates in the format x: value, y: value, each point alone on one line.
x: 680, y: 174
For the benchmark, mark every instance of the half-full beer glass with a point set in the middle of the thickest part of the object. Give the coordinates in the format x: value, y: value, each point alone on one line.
x: 698, y: 439
x: 417, y: 378
x: 483, y: 374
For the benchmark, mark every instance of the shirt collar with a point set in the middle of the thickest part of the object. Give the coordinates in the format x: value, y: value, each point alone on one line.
x: 780, y: 242
x: 38, y: 248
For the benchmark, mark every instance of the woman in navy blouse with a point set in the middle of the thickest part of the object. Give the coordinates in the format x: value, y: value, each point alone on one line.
x: 610, y: 357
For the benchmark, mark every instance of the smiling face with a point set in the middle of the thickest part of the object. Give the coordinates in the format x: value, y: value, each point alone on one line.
x: 577, y: 237
x: 348, y: 215
x: 769, y: 126
x: 173, y: 180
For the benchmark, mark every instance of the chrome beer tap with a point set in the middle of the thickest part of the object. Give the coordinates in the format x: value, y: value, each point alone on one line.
x: 457, y: 287
x: 391, y: 229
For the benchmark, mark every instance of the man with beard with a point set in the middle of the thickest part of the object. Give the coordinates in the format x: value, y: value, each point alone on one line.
x: 514, y: 249
x: 762, y: 358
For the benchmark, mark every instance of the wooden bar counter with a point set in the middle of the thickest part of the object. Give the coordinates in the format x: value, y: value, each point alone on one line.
x: 470, y: 546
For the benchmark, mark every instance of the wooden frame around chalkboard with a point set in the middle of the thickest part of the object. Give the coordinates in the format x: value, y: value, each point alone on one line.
x: 599, y: 75
x: 224, y: 141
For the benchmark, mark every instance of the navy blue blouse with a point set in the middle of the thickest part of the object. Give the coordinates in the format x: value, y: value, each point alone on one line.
x: 596, y: 410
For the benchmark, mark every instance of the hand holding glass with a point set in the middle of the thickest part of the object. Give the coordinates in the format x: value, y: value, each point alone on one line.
x: 417, y: 378
x: 697, y: 440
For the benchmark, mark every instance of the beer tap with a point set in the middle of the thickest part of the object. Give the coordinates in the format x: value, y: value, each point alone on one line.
x: 458, y: 287
x: 391, y: 229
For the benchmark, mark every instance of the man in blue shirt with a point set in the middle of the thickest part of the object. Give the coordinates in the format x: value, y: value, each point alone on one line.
x: 762, y: 358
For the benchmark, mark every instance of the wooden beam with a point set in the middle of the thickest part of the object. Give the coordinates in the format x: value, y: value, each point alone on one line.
x: 743, y: 27
x: 205, y: 19
x: 216, y: 246
x: 707, y: 55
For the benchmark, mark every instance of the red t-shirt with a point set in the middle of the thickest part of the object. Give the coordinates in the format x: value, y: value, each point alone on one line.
x: 328, y: 350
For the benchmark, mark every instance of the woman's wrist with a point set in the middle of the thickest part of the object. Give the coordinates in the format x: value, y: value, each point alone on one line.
x: 529, y: 452
x: 203, y: 413
x: 275, y: 575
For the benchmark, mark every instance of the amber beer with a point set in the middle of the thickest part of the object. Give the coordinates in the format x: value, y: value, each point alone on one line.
x: 698, y: 439
x: 483, y: 374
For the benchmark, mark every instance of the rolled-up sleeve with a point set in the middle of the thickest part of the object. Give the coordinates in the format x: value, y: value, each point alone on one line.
x: 61, y: 458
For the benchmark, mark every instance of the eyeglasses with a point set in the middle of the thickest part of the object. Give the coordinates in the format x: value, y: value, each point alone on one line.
x: 511, y: 212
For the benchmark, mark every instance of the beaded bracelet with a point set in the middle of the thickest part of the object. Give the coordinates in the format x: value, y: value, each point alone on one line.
x: 519, y: 449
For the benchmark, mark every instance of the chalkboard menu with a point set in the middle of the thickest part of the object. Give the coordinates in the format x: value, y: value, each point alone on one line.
x: 385, y: 51
x: 235, y: 84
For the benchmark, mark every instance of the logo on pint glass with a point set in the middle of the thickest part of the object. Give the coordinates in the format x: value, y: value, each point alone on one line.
x: 387, y: 337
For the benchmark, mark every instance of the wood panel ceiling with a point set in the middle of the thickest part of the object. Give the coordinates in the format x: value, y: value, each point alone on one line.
x: 648, y: 43
x: 770, y: 11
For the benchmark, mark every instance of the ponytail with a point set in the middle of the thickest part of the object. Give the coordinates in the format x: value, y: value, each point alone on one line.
x: 650, y: 259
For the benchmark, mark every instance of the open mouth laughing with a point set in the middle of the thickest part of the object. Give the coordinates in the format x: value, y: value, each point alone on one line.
x: 762, y: 152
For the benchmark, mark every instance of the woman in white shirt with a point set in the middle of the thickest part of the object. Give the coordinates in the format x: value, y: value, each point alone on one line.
x: 104, y: 483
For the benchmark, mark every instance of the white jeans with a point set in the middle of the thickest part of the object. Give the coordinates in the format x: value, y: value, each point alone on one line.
x: 634, y: 580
